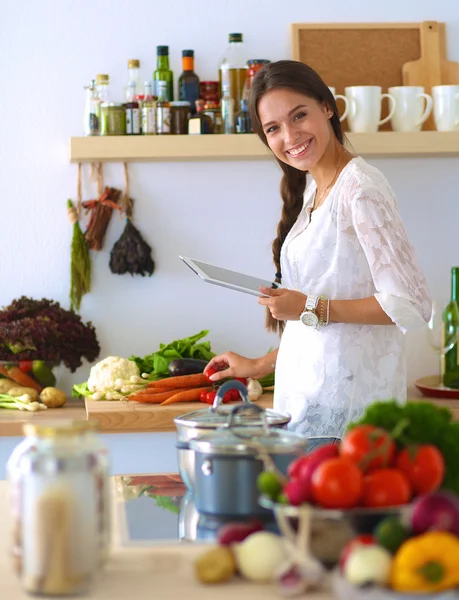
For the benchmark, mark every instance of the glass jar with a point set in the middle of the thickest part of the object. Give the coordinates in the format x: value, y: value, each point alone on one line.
x: 253, y: 66
x: 58, y: 488
x: 212, y: 110
x: 113, y: 119
x: 180, y: 113
x: 209, y: 91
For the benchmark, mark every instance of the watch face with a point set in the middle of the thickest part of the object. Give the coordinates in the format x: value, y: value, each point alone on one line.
x: 310, y: 319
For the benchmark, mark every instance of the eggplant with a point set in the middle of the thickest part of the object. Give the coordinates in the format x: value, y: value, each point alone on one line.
x: 186, y: 366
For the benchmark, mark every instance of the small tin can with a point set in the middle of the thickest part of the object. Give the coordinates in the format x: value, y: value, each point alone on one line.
x: 113, y: 119
x: 59, y: 498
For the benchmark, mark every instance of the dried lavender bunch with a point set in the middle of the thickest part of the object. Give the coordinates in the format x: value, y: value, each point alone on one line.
x: 131, y: 253
x: 41, y: 329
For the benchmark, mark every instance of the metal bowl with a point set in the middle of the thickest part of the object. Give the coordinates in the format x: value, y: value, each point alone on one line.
x: 331, y: 530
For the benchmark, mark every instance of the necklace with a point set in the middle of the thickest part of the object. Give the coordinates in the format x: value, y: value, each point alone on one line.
x: 329, y: 185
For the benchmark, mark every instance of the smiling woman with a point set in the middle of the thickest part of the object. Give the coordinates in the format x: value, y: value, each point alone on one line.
x: 351, y: 285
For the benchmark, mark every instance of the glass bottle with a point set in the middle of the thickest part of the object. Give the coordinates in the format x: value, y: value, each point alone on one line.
x: 188, y: 83
x: 148, y: 110
x: 228, y: 105
x: 243, y: 122
x: 91, y: 121
x: 132, y: 111
x: 163, y: 72
x: 102, y: 87
x: 200, y: 123
x: 133, y: 76
x: 451, y: 334
x: 163, y: 110
x: 233, y: 69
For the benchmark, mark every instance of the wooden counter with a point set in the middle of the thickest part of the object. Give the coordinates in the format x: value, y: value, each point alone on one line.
x: 129, y: 417
x: 12, y: 421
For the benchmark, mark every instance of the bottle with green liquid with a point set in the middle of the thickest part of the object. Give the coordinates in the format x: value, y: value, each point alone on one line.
x: 451, y: 334
x: 163, y: 72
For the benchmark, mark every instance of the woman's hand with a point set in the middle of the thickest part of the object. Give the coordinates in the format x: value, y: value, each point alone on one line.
x: 231, y: 365
x: 284, y: 305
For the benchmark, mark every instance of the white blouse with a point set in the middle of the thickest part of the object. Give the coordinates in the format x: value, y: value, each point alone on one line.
x: 353, y: 246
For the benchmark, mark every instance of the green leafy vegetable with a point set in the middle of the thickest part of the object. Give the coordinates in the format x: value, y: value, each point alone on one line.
x: 419, y: 423
x: 156, y: 364
x: 81, y: 390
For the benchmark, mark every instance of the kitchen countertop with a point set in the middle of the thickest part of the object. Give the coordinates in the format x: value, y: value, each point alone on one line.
x: 160, y: 569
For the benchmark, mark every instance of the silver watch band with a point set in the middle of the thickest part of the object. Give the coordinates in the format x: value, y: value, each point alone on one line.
x: 311, y: 303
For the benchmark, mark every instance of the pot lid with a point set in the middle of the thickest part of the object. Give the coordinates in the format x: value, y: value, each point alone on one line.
x: 243, y: 440
x: 212, y: 418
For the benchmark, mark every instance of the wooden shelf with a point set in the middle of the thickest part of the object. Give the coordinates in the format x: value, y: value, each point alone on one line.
x: 248, y: 146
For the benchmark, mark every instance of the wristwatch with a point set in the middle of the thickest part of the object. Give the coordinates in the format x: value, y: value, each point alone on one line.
x: 309, y: 317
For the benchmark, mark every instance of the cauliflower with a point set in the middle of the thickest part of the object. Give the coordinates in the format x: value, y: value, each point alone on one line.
x: 103, y: 376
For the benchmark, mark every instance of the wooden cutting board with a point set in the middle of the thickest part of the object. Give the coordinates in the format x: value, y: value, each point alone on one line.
x: 432, y: 68
x: 129, y: 417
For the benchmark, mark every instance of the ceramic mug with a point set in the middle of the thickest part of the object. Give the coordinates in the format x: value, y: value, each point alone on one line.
x: 446, y: 107
x: 411, y: 111
x: 344, y: 99
x: 365, y: 102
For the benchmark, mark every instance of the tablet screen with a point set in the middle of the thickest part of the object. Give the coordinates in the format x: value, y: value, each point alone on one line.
x: 227, y: 278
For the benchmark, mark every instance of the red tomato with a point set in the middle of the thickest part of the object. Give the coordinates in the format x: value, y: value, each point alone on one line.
x: 208, y: 372
x: 25, y: 365
x: 337, y: 483
x: 211, y: 397
x: 203, y: 396
x: 243, y: 380
x: 365, y: 539
x: 369, y: 447
x: 386, y: 487
x: 235, y: 396
x: 424, y: 466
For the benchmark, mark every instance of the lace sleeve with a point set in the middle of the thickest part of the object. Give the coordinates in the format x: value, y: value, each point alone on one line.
x: 402, y: 289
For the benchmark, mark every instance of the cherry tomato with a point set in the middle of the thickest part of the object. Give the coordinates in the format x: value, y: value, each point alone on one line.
x: 25, y: 365
x: 337, y: 483
x: 365, y: 539
x: 369, y: 447
x: 424, y: 466
x: 203, y: 396
x: 243, y: 380
x: 208, y: 372
x: 235, y: 396
x: 386, y: 487
x: 211, y: 397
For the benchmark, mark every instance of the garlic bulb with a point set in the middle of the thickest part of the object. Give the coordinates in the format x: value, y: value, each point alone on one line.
x: 254, y: 390
x: 259, y: 555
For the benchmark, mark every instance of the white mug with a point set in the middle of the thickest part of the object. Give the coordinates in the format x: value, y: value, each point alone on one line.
x: 344, y: 99
x: 446, y: 107
x: 411, y: 111
x: 365, y: 108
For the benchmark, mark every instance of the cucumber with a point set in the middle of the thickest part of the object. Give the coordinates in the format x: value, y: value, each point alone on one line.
x: 186, y: 366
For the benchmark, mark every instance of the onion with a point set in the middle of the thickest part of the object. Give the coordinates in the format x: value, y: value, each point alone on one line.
x: 438, y: 511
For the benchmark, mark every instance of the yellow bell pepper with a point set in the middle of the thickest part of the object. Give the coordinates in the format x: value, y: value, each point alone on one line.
x: 426, y: 563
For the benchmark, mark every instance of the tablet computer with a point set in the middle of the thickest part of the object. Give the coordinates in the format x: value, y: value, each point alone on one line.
x: 229, y: 279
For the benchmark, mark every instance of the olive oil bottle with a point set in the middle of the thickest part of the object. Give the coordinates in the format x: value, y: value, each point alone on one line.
x: 451, y: 334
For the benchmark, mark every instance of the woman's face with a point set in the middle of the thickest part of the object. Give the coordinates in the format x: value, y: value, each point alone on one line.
x: 297, y: 127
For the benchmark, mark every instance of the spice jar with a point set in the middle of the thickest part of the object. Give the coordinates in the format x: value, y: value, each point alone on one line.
x: 209, y: 91
x: 180, y: 113
x: 113, y: 119
x: 58, y: 480
x: 212, y: 110
x: 253, y: 66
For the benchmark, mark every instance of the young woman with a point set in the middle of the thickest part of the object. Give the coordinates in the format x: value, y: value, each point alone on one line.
x: 351, y: 284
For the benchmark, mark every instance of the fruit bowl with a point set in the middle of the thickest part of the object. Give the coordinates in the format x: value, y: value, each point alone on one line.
x: 343, y: 590
x: 331, y: 530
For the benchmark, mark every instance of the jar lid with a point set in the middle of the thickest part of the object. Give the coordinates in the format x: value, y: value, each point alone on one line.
x: 180, y: 103
x: 210, y: 83
x: 133, y: 63
x: 112, y: 105
x: 237, y: 441
x: 102, y: 78
x: 235, y: 37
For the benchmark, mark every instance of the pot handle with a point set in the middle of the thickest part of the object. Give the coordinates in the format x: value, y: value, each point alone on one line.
x: 182, y: 445
x: 250, y: 408
x: 230, y: 385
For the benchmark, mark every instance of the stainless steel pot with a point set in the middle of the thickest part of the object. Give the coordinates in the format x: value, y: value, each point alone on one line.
x: 199, y: 422
x: 229, y: 460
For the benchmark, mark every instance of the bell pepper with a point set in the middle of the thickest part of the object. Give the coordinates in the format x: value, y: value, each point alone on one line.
x: 426, y: 563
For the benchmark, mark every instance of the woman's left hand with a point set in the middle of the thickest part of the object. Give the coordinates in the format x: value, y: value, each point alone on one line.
x: 284, y: 305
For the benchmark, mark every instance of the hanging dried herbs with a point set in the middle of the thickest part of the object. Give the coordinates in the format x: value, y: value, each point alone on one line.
x: 101, y: 211
x: 131, y: 253
x: 80, y: 262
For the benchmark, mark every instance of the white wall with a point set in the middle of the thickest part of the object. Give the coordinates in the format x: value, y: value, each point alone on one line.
x: 224, y: 212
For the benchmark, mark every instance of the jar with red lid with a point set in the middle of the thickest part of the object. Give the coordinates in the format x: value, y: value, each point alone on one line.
x: 209, y: 91
x: 253, y: 66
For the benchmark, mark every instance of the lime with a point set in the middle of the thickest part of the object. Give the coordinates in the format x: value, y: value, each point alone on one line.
x: 43, y: 374
x: 390, y: 533
x: 269, y: 485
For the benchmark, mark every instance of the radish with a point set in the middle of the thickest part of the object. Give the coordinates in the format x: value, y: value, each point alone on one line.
x: 438, y: 511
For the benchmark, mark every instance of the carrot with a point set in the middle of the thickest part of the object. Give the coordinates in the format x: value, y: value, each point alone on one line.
x: 153, y: 398
x: 4, y: 372
x: 180, y: 381
x: 186, y: 395
x: 22, y: 378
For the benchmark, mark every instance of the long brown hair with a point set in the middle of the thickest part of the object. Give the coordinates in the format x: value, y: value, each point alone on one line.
x: 301, y: 78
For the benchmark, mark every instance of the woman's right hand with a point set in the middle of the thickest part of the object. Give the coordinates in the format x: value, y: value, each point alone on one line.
x: 231, y: 365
